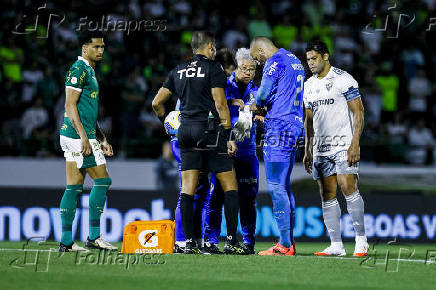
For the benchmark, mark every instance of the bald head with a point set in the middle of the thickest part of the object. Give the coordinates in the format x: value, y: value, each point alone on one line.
x: 262, y: 48
x: 261, y: 41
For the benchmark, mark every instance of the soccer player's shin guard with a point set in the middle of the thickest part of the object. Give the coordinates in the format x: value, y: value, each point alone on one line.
x: 187, y: 214
x: 231, y: 209
x: 68, y: 211
x: 97, y: 198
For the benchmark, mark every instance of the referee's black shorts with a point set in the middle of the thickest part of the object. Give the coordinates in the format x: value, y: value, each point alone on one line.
x: 203, y: 151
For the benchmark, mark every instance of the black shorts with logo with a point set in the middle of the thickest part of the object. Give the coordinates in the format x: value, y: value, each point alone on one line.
x: 202, y: 149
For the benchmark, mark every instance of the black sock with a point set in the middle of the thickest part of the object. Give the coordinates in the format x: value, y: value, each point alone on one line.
x: 198, y: 217
x: 187, y: 214
x: 231, y: 210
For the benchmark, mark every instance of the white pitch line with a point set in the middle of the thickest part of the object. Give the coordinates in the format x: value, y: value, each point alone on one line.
x: 356, y: 258
x: 296, y: 257
x: 27, y: 250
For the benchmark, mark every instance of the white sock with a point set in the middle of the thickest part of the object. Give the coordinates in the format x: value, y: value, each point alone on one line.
x: 361, y: 239
x: 355, y: 207
x: 337, y: 244
x: 331, y: 213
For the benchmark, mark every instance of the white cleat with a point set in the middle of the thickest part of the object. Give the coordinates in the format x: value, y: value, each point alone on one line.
x: 73, y: 248
x: 335, y: 249
x: 76, y: 248
x: 101, y: 244
x: 361, y: 248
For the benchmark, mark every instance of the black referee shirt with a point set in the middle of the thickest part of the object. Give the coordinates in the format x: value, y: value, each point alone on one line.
x: 192, y: 82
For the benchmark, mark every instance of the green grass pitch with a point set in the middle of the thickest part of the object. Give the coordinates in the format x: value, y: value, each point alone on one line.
x: 415, y: 269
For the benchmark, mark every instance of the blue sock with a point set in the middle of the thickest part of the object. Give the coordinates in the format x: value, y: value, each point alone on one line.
x: 292, y: 219
x: 247, y: 168
x: 292, y: 205
x: 278, y: 175
x: 214, y: 210
x: 281, y: 211
x: 200, y: 197
x: 179, y: 234
x: 199, y: 209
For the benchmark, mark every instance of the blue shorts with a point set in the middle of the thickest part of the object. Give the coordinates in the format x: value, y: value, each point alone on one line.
x: 281, y: 139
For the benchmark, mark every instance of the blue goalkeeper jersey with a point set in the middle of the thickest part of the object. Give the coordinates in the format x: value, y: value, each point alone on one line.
x: 248, y: 146
x: 281, y: 89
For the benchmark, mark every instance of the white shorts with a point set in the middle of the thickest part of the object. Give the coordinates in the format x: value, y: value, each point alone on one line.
x: 72, y: 148
x: 325, y: 166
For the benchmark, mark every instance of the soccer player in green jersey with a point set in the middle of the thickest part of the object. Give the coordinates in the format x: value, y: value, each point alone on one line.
x: 84, y: 145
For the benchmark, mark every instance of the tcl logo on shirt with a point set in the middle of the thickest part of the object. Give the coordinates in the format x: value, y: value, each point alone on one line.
x: 191, y: 72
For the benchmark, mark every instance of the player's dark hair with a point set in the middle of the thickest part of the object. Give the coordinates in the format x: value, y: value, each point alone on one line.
x: 201, y: 38
x: 318, y: 46
x: 86, y: 36
x: 225, y: 57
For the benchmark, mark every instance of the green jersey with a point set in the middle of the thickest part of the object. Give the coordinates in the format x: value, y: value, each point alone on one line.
x: 81, y: 78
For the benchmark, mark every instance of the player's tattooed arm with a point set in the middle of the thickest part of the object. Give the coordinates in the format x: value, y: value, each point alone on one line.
x: 72, y: 97
x: 353, y: 154
x: 308, y: 146
x: 161, y: 97
x: 101, y: 137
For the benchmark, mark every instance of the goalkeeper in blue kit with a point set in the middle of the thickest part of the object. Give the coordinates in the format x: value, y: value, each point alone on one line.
x: 281, y: 92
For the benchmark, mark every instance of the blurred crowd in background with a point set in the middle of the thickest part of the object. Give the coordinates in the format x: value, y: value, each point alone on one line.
x: 391, y: 56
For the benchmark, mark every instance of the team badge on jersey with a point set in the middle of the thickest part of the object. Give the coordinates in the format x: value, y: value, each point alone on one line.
x: 328, y: 86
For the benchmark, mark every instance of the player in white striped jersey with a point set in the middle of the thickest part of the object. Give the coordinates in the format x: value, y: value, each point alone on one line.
x: 334, y: 122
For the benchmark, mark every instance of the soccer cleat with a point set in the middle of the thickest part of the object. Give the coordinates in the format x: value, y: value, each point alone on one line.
x: 361, y: 248
x: 333, y: 250
x: 248, y: 249
x: 100, y: 244
x: 211, y: 249
x: 232, y: 247
x: 178, y: 249
x: 192, y: 248
x: 72, y: 248
x: 279, y: 250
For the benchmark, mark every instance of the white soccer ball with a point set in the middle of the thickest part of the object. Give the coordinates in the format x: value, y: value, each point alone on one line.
x: 172, y: 123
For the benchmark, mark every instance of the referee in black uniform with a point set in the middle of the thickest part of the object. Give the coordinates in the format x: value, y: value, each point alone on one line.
x: 204, y: 142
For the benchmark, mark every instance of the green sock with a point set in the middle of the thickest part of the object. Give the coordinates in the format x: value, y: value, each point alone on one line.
x: 97, y: 199
x: 68, y: 211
